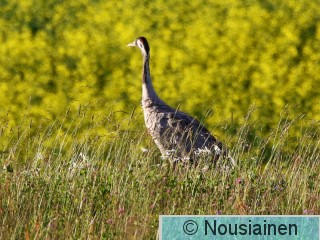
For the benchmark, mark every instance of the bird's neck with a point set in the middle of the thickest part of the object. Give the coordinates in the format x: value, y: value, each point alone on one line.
x: 147, y: 87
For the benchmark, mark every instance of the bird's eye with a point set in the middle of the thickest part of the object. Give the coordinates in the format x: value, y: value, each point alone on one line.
x: 140, y: 44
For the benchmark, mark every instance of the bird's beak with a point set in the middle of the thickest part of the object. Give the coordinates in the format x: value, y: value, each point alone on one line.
x: 133, y: 44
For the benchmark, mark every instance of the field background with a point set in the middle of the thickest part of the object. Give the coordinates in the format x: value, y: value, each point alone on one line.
x: 71, y: 126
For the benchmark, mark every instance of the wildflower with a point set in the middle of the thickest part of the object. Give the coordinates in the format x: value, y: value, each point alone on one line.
x: 307, y: 212
x: 218, y: 212
x: 205, y: 168
x: 144, y: 150
x: 109, y: 221
x: 83, y: 156
x: 279, y: 186
x: 39, y: 156
x: 239, y: 180
x: 168, y: 190
x: 120, y: 211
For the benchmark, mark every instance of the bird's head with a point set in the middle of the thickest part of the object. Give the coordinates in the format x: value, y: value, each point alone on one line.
x: 142, y: 43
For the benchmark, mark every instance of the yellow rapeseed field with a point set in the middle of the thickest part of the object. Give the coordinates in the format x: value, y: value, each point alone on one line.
x: 218, y: 56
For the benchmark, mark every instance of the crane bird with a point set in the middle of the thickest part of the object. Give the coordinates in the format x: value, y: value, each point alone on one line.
x: 175, y: 133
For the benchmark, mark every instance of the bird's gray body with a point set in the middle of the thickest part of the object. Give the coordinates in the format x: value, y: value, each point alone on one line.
x: 175, y: 133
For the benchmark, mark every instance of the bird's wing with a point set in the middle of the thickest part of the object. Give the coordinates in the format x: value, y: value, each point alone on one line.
x: 202, y: 136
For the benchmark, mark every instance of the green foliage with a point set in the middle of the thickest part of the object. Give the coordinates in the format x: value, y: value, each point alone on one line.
x: 64, y: 184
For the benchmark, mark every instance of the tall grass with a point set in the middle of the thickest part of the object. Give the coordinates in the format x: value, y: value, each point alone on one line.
x: 67, y: 180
